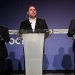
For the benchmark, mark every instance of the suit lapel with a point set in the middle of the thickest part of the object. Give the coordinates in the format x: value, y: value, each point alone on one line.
x: 36, y: 25
x: 29, y: 26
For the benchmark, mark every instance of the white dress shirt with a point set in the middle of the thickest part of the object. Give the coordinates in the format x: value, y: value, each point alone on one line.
x: 33, y: 23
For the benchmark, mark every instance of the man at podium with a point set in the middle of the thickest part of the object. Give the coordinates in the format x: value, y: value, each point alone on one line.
x: 33, y: 23
x: 33, y: 43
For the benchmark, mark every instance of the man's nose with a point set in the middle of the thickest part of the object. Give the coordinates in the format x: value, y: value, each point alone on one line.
x: 32, y: 10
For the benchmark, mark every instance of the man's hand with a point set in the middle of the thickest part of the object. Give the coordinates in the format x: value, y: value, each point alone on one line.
x: 19, y: 35
x: 49, y: 31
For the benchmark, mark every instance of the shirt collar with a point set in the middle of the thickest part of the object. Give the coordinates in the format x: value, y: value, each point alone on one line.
x: 32, y: 20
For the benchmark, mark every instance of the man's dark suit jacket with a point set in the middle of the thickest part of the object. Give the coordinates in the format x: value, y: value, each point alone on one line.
x: 39, y: 27
x: 5, y: 35
x: 71, y: 32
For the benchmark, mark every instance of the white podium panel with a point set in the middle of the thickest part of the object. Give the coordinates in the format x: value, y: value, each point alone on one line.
x: 33, y: 51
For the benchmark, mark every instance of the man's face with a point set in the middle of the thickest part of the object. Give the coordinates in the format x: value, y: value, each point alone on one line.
x: 32, y: 11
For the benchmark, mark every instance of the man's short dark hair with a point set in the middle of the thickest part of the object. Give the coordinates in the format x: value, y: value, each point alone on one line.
x: 29, y: 7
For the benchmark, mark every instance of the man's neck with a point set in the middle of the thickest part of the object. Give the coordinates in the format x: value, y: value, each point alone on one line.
x: 30, y: 18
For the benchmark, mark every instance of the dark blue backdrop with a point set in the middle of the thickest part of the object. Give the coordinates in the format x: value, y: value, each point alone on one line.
x: 57, y: 13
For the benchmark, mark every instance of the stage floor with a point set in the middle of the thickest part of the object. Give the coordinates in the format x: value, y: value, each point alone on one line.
x: 48, y: 74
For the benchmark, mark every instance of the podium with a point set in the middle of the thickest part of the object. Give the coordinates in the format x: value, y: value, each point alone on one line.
x: 33, y: 52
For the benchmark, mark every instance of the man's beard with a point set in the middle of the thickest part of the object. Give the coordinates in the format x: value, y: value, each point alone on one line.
x: 32, y: 17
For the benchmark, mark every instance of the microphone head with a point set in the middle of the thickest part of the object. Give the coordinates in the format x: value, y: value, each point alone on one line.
x: 21, y: 31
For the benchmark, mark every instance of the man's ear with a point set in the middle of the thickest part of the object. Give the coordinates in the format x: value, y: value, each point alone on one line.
x: 27, y: 13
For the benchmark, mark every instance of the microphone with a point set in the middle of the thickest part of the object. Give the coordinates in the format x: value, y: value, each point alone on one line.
x: 23, y: 31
